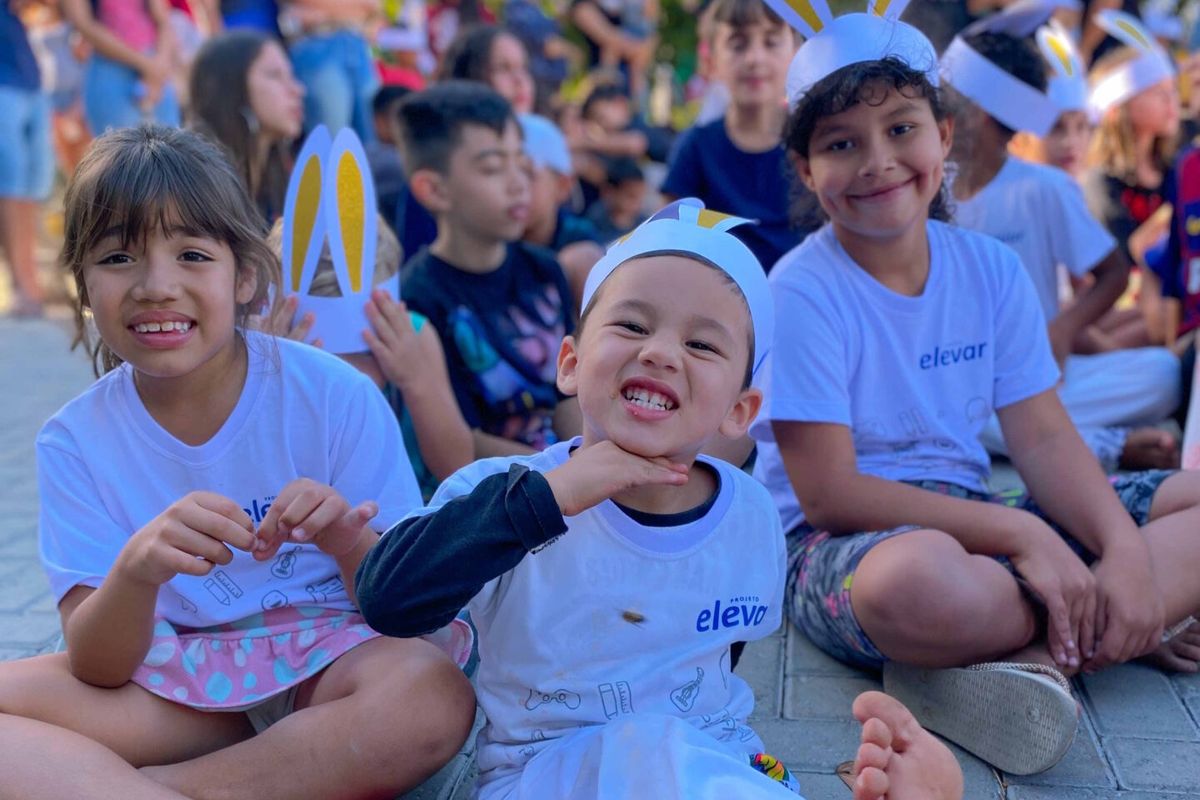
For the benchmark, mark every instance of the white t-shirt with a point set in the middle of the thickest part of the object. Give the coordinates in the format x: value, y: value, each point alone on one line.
x: 106, y: 468
x: 1040, y: 212
x: 915, y: 378
x: 614, y: 618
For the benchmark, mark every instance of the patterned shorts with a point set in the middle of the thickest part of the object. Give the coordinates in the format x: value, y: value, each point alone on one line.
x: 821, y: 566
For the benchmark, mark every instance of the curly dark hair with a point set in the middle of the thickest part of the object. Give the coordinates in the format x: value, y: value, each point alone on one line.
x: 866, y: 82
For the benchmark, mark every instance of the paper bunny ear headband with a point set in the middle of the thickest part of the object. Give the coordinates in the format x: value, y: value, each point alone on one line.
x: 1068, y: 87
x: 1005, y: 97
x: 1151, y: 65
x: 331, y: 197
x: 834, y: 40
x: 686, y: 227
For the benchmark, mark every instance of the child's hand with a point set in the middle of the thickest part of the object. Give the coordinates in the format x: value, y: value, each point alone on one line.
x: 594, y: 474
x: 1063, y: 583
x: 278, y: 320
x: 393, y: 341
x: 1129, y: 609
x: 192, y: 536
x: 307, y: 511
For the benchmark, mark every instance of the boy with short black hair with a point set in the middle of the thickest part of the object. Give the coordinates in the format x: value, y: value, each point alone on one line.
x: 609, y: 576
x: 618, y: 210
x: 1114, y: 398
x: 737, y: 163
x: 500, y: 305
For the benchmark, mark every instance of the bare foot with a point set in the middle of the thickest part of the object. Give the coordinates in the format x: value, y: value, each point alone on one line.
x: 898, y: 759
x: 1181, y: 653
x: 1150, y: 448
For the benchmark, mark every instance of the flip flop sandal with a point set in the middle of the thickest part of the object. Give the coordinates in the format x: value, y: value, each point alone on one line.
x: 845, y: 771
x: 1020, y: 718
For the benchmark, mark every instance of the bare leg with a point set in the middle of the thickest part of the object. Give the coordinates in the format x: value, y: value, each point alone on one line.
x: 42, y: 760
x: 898, y: 759
x: 376, y: 723
x: 923, y: 600
x: 55, y: 729
x: 18, y: 230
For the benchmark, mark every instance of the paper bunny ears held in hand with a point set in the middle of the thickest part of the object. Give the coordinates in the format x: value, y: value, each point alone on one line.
x: 1151, y: 65
x: 1003, y: 96
x: 835, y: 40
x: 331, y: 199
x: 687, y: 228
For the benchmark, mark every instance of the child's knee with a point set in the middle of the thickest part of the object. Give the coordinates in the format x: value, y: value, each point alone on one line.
x: 924, y: 582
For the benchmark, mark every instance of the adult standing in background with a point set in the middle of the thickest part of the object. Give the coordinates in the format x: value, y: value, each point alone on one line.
x: 129, y: 77
x: 332, y: 58
x: 26, y: 159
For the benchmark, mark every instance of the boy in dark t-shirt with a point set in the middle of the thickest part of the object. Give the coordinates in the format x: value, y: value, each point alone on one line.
x: 500, y: 306
x: 737, y: 164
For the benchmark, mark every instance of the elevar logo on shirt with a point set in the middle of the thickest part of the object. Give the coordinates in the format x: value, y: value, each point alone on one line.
x: 951, y: 354
x: 736, y: 612
x: 257, y: 510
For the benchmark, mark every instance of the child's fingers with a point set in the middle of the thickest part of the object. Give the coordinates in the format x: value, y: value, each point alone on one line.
x: 300, y: 332
x: 328, y: 510
x: 219, y: 518
x: 1059, y: 631
x: 1087, y: 629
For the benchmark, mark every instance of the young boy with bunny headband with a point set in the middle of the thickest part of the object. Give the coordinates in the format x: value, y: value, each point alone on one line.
x: 897, y: 335
x: 609, y: 575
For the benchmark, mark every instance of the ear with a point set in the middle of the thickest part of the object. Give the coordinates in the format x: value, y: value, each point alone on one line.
x: 564, y: 185
x: 567, y: 378
x: 946, y: 134
x: 743, y: 412
x: 246, y: 287
x: 803, y: 169
x: 429, y: 187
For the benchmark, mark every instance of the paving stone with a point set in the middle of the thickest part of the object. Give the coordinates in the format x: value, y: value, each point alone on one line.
x: 19, y: 587
x: 1048, y: 793
x: 822, y: 696
x: 817, y: 786
x: 28, y: 629
x: 1154, y: 765
x: 1082, y: 766
x: 810, y: 745
x: 1136, y: 700
x: 761, y: 666
x: 1188, y: 688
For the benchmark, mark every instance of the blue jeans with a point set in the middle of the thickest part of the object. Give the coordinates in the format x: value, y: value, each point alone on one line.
x: 26, y: 158
x: 339, y: 76
x: 110, y: 97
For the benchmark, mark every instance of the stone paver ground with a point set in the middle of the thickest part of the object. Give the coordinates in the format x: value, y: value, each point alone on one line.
x: 1138, y: 740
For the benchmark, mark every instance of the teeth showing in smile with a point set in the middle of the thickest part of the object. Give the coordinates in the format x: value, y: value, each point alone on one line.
x: 162, y: 327
x: 647, y: 399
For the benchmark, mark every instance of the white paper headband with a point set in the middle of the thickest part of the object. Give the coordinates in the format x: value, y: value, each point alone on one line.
x: 685, y: 226
x: 331, y: 196
x: 1068, y: 87
x: 833, y: 42
x: 1002, y: 95
x: 1151, y: 66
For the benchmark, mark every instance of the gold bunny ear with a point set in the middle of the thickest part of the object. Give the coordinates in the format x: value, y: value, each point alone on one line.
x: 303, y: 222
x: 807, y: 16
x: 1059, y: 51
x: 350, y: 211
x: 890, y: 9
x: 1127, y: 28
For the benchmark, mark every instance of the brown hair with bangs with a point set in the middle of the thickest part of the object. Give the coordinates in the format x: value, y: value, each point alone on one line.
x: 134, y: 180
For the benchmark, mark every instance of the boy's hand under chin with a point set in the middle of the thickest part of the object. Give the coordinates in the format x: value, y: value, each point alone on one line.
x: 597, y: 472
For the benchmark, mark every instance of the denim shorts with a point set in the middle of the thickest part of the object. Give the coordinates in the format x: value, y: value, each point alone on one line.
x: 26, y: 156
x: 111, y: 95
x: 821, y: 566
